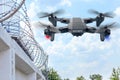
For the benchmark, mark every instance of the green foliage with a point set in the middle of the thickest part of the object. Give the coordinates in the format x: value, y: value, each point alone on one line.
x: 66, y: 79
x: 96, y: 77
x: 115, y: 74
x: 53, y: 75
x: 80, y: 78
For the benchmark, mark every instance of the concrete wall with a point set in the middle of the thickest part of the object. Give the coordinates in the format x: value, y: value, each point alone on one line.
x: 20, y: 75
x: 5, y: 65
x: 14, y: 63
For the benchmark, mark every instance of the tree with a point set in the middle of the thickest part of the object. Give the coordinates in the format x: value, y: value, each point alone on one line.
x: 80, y: 78
x: 53, y: 75
x: 67, y: 79
x: 96, y: 77
x: 115, y: 74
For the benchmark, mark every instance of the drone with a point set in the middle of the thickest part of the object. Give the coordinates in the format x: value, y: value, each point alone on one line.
x: 76, y: 26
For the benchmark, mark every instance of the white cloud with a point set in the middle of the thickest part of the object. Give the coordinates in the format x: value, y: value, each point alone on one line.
x: 106, y: 56
x: 65, y: 2
x: 80, y: 53
x: 117, y: 11
x: 33, y: 9
x: 88, y: 65
x: 73, y: 53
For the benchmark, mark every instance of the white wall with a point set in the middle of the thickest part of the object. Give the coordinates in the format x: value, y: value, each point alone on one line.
x: 14, y: 63
x: 20, y: 75
x: 32, y: 76
x: 5, y: 65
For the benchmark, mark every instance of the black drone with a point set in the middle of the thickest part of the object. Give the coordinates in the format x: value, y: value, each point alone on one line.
x: 76, y: 26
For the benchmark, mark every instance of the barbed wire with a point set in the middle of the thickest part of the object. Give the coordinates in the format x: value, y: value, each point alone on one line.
x: 14, y: 18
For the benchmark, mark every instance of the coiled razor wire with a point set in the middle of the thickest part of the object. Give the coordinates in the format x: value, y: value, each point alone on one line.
x: 13, y: 17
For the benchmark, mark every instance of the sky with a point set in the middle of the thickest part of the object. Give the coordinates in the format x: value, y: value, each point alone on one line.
x: 75, y: 56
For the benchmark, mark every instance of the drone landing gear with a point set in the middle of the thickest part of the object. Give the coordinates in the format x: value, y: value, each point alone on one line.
x: 105, y: 35
x: 102, y: 37
x: 52, y: 37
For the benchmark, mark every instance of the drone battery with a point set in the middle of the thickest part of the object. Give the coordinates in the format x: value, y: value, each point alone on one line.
x: 77, y: 25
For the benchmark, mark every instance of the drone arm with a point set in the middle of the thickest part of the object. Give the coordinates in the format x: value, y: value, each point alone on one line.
x: 63, y: 20
x: 63, y: 29
x: 89, y: 20
x: 91, y: 29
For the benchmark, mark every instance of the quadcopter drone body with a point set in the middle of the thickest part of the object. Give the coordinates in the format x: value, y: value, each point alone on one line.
x: 76, y: 26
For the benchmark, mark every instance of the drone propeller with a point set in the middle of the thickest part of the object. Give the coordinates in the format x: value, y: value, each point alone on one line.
x: 113, y: 25
x: 38, y: 24
x: 44, y: 25
x: 51, y: 27
x: 107, y: 14
x: 108, y: 26
x: 45, y: 14
x: 101, y: 16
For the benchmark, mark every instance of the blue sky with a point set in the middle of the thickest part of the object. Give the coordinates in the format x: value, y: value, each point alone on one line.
x: 76, y: 56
